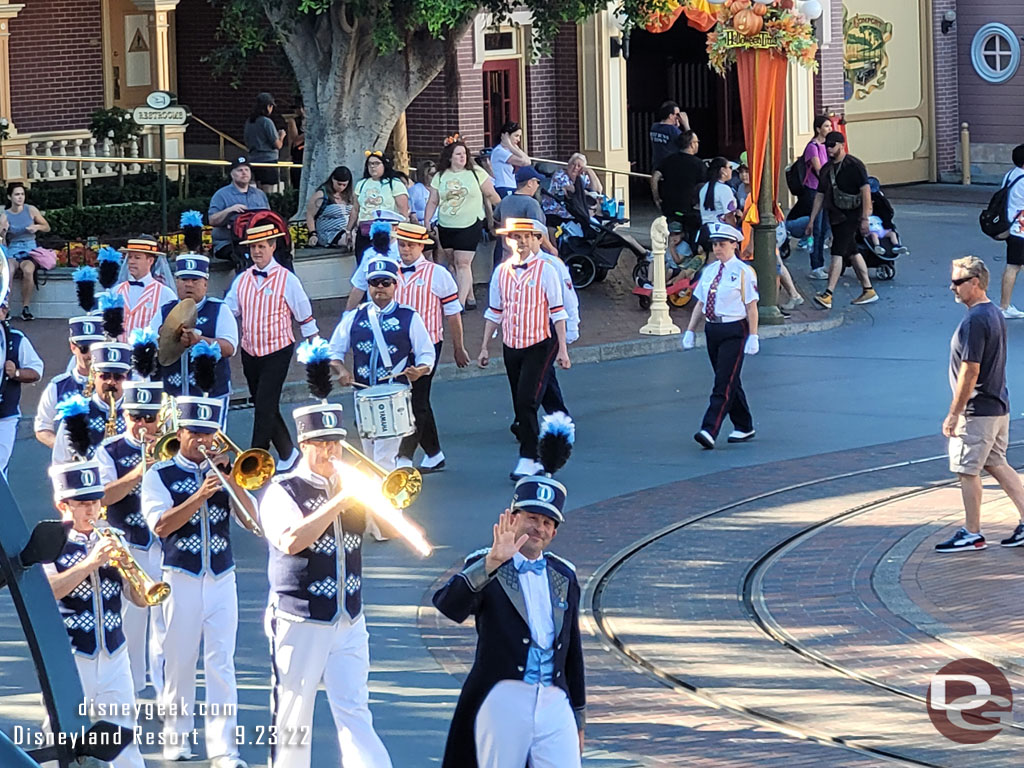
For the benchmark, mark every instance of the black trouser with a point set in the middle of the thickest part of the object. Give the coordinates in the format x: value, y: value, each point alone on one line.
x: 527, y: 372
x: 426, y: 428
x: 362, y: 243
x: 551, y: 401
x: 265, y: 377
x: 725, y: 348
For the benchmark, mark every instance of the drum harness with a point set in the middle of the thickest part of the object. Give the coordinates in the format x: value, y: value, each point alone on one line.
x: 372, y: 313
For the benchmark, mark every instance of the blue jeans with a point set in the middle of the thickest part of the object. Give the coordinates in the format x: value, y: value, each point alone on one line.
x: 798, y: 226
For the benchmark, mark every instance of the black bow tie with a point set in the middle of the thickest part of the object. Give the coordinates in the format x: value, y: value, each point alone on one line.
x: 407, y: 270
x: 524, y: 265
x: 137, y: 283
x: 259, y: 273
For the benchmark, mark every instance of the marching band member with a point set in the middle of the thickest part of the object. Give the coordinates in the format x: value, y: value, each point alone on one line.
x: 191, y: 514
x: 143, y: 294
x: 110, y: 365
x: 214, y: 323
x: 266, y: 297
x: 315, y: 618
x: 524, y: 700
x: 82, y: 332
x: 430, y: 290
x: 122, y: 462
x: 526, y: 300
x: 21, y: 366
x: 727, y: 300
x: 382, y: 244
x: 388, y: 340
x: 89, y: 595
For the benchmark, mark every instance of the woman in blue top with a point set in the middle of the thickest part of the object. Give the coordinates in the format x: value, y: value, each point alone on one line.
x: 19, y: 224
x: 263, y: 141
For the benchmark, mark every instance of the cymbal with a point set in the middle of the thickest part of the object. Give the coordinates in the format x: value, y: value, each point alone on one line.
x: 170, y: 347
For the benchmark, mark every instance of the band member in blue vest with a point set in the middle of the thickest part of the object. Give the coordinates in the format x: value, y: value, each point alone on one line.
x: 111, y: 364
x: 82, y: 333
x: 90, y: 594
x: 524, y: 699
x: 21, y: 366
x: 190, y: 511
x: 214, y: 323
x: 315, y: 619
x: 388, y: 341
x: 122, y: 462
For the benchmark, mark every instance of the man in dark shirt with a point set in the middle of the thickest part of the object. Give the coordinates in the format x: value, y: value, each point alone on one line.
x: 675, y: 184
x: 665, y: 133
x: 978, y: 422
x: 844, y: 191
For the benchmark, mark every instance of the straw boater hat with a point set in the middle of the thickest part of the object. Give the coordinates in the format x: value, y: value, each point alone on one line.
x: 521, y: 225
x: 413, y: 233
x: 144, y: 244
x: 262, y: 233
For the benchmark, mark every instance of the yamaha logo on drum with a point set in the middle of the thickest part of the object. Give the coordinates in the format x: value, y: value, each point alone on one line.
x: 383, y: 414
x: 545, y: 493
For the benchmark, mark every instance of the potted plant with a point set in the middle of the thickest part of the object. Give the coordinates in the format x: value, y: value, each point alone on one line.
x: 117, y: 126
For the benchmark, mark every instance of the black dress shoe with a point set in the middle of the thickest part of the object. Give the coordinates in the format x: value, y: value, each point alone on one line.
x: 431, y: 470
x: 514, y: 429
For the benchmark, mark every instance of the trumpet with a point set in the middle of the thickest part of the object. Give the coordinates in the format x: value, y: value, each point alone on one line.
x: 152, y: 592
x: 243, y: 477
x: 111, y: 429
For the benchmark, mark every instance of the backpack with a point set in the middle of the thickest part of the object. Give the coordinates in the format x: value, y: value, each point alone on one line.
x: 993, y: 220
x: 247, y: 219
x: 795, y: 175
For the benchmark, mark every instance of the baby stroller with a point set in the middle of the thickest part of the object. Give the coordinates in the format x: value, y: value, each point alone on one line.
x: 884, y: 264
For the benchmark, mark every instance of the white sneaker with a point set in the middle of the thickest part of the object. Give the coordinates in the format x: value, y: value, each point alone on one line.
x: 818, y: 274
x: 176, y: 752
x: 1012, y: 313
x: 794, y: 302
x: 226, y: 761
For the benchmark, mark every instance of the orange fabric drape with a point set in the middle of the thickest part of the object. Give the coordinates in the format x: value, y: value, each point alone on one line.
x: 663, y: 22
x: 700, y: 15
x: 762, y: 83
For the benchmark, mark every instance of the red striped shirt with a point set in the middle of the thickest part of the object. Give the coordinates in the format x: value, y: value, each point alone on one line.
x: 525, y: 314
x: 416, y: 290
x: 142, y: 313
x: 266, y: 317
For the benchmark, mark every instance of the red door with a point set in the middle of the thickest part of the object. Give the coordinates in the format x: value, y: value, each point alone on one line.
x: 501, y: 97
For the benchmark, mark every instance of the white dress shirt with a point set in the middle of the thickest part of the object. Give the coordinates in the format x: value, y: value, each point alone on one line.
x: 62, y: 452
x: 46, y: 411
x: 422, y: 347
x: 108, y: 470
x: 358, y: 279
x: 736, y: 289
x: 294, y: 295
x: 569, y: 297
x: 29, y: 360
x: 226, y: 328
x: 537, y: 594
x: 164, y: 296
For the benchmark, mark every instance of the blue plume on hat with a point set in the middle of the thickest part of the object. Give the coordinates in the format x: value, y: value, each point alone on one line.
x: 192, y: 229
x: 315, y: 355
x: 72, y: 405
x: 112, y: 307
x: 143, y: 341
x: 191, y: 219
x: 109, y: 260
x: 85, y: 286
x: 380, y: 237
x: 380, y: 227
x: 204, y: 356
x: 73, y: 410
x: 554, y: 446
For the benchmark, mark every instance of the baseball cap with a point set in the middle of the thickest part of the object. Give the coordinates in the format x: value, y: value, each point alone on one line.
x: 528, y: 173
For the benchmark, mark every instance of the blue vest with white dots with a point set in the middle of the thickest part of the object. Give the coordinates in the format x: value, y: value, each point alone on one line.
x: 206, y: 324
x: 204, y: 541
x: 307, y: 584
x: 126, y: 514
x: 94, y: 606
x: 394, y: 326
x: 10, y: 395
x: 66, y: 384
x: 98, y: 426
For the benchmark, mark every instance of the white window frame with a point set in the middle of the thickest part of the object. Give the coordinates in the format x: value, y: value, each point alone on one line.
x: 981, y: 66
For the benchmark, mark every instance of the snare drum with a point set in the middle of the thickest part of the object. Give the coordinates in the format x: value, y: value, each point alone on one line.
x: 384, y: 410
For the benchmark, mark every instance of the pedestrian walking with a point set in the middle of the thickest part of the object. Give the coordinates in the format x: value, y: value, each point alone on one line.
x: 1015, y: 240
x: 82, y: 333
x: 844, y: 190
x: 978, y: 422
x: 727, y: 302
x: 143, y: 294
x: 815, y: 158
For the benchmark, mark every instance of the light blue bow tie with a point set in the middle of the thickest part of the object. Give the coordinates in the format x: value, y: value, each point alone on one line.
x: 536, y: 566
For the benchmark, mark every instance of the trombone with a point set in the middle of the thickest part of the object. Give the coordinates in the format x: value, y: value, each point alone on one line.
x: 400, y: 486
x: 251, y: 470
x: 167, y: 444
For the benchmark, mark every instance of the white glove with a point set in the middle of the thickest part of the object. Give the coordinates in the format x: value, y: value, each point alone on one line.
x: 689, y: 340
x: 752, y: 346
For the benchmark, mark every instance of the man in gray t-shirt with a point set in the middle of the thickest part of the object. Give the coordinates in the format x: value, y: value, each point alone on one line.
x: 978, y: 422
x: 227, y: 202
x: 521, y: 204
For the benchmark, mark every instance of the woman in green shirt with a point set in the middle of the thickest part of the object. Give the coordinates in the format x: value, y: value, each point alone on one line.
x: 380, y: 188
x: 463, y: 196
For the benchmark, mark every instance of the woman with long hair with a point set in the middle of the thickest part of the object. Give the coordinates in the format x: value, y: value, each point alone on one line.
x: 463, y: 196
x: 716, y: 198
x: 507, y: 157
x: 19, y: 224
x: 329, y: 209
x: 263, y: 141
x: 379, y: 189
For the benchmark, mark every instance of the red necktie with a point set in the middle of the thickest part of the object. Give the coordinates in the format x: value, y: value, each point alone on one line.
x: 709, y: 308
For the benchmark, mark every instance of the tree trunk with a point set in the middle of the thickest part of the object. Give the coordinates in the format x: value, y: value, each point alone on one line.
x: 353, y: 94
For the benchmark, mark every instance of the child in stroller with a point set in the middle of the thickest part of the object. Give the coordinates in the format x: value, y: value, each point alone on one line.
x: 882, y: 246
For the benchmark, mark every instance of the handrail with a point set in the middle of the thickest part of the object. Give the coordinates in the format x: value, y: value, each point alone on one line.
x: 140, y: 160
x: 598, y: 168
x: 220, y: 133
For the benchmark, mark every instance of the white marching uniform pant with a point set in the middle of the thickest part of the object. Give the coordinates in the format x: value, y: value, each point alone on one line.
x: 523, y: 721
x: 137, y: 620
x: 303, y: 653
x: 8, y: 434
x: 383, y: 450
x: 201, y: 608
x: 107, y: 680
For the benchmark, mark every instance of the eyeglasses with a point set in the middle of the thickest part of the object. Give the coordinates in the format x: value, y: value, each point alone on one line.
x: 148, y: 418
x: 381, y: 282
x: 958, y: 281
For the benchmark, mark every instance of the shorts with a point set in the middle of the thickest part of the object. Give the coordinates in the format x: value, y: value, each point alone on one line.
x: 266, y: 175
x: 461, y: 239
x: 844, y: 238
x: 20, y: 251
x: 979, y: 442
x: 1015, y: 251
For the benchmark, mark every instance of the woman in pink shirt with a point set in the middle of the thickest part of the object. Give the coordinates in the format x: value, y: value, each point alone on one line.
x: 815, y: 156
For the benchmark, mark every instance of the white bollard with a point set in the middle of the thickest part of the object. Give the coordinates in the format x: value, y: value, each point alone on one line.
x: 659, y: 323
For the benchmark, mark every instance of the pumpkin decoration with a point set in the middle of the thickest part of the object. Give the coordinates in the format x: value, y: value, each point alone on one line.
x: 747, y: 22
x: 760, y: 9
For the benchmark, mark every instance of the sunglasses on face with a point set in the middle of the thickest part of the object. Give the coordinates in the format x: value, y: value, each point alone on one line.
x: 83, y: 348
x: 382, y: 282
x: 112, y: 377
x: 148, y: 418
x: 958, y: 281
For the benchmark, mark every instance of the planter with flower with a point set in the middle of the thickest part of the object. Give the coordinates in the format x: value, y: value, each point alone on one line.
x: 117, y: 126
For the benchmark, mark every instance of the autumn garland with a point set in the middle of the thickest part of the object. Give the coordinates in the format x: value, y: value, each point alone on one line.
x: 775, y: 24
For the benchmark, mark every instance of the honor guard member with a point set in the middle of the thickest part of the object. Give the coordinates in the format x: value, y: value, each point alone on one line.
x: 90, y: 594
x: 430, y: 290
x: 143, y: 294
x: 524, y: 700
x: 267, y: 297
x: 526, y: 300
x: 727, y: 301
x: 82, y: 333
x: 214, y: 323
x: 387, y: 339
x: 21, y: 366
x: 315, y: 619
x: 190, y: 511
x: 382, y: 244
x: 111, y: 363
x: 122, y: 463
